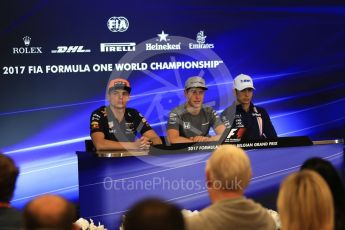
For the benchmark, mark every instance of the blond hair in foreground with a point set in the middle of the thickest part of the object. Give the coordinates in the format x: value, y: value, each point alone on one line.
x: 305, y: 202
x: 229, y: 168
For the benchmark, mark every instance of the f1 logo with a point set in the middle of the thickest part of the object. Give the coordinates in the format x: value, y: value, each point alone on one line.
x: 236, y: 133
x: 232, y: 133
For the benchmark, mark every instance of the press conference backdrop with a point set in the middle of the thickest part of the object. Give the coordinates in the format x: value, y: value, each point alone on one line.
x: 57, y: 57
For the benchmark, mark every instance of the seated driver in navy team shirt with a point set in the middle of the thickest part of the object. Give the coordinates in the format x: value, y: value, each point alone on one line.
x: 114, y: 127
x: 253, y: 121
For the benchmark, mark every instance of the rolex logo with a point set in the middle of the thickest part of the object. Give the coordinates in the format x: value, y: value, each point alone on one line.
x: 26, y: 40
x: 27, y: 49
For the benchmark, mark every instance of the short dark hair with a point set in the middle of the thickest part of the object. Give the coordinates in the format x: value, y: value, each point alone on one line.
x: 8, y: 177
x: 154, y: 214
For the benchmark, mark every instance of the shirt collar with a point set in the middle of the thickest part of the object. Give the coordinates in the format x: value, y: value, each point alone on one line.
x: 251, y: 108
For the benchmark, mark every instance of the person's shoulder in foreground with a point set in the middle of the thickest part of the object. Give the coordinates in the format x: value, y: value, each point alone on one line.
x: 228, y: 173
x: 10, y: 218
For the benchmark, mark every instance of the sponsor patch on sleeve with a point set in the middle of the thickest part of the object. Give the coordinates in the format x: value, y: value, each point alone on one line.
x: 94, y: 125
x: 95, y: 117
x: 172, y: 118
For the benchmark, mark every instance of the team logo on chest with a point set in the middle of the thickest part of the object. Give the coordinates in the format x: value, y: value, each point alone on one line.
x: 129, y: 126
x: 256, y: 114
x: 111, y: 127
x: 186, y: 125
x: 238, y: 120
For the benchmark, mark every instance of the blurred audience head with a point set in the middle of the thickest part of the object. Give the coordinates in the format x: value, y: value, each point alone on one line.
x: 8, y: 177
x: 49, y: 212
x: 328, y: 172
x: 305, y: 202
x: 228, y: 169
x: 154, y: 214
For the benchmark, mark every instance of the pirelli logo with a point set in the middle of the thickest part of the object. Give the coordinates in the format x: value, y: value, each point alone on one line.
x: 118, y: 47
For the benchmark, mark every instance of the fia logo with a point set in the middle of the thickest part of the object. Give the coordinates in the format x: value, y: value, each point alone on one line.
x: 186, y: 125
x: 118, y: 24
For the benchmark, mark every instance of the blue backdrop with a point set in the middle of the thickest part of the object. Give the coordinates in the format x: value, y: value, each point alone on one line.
x: 294, y: 52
